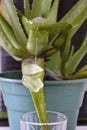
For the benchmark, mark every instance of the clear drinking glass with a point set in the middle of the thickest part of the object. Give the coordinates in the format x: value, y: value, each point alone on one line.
x: 56, y: 121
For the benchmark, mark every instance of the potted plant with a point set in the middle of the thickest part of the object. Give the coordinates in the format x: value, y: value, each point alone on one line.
x: 43, y: 45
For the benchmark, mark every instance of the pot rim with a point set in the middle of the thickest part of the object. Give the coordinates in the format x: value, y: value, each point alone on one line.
x: 15, y: 80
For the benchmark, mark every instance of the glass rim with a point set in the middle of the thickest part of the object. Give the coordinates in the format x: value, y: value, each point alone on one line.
x: 49, y: 123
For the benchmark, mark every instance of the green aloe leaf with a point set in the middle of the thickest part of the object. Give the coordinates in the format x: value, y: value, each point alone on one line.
x: 33, y: 75
x: 16, y: 52
x: 56, y: 60
x: 37, y: 41
x: 3, y: 11
x: 77, y: 15
x: 53, y: 11
x: 36, y: 9
x: 46, y: 6
x: 9, y: 33
x: 17, y: 28
x: 65, y: 55
x: 44, y: 24
x: 71, y: 52
x: 78, y: 75
x: 82, y: 69
x: 40, y: 105
x: 60, y: 39
x: 53, y: 35
x: 73, y: 62
x: 27, y: 11
x: 7, y: 45
x: 64, y: 39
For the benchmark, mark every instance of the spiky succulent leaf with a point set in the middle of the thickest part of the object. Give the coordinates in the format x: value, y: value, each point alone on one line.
x: 65, y: 55
x: 9, y: 42
x: 77, y: 15
x: 56, y: 60
x: 46, y: 6
x: 9, y: 33
x: 4, y: 42
x: 27, y: 10
x: 3, y: 11
x: 82, y: 69
x: 73, y: 62
x: 71, y: 52
x: 36, y: 9
x: 78, y: 75
x: 53, y: 11
x: 20, y: 35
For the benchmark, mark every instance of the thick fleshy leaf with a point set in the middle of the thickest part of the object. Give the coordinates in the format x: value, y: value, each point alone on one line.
x: 43, y: 24
x: 34, y: 82
x: 37, y: 41
x: 32, y: 75
x: 40, y: 105
x: 17, y: 54
x: 73, y: 62
x: 27, y: 11
x: 65, y: 55
x: 56, y: 60
x: 6, y: 45
x: 36, y: 9
x: 9, y: 33
x: 46, y: 5
x: 20, y: 35
x: 3, y: 11
x: 53, y: 11
x: 77, y: 15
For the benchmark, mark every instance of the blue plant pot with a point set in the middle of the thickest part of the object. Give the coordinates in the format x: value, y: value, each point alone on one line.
x: 61, y: 96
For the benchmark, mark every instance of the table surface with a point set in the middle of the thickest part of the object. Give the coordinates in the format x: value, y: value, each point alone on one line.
x: 77, y: 128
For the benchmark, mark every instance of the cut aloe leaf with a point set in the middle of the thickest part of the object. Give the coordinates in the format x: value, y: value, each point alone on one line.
x: 33, y: 80
x: 44, y: 24
x: 37, y: 41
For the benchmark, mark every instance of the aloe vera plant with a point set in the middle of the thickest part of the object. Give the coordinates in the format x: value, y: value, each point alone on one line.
x: 36, y: 38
